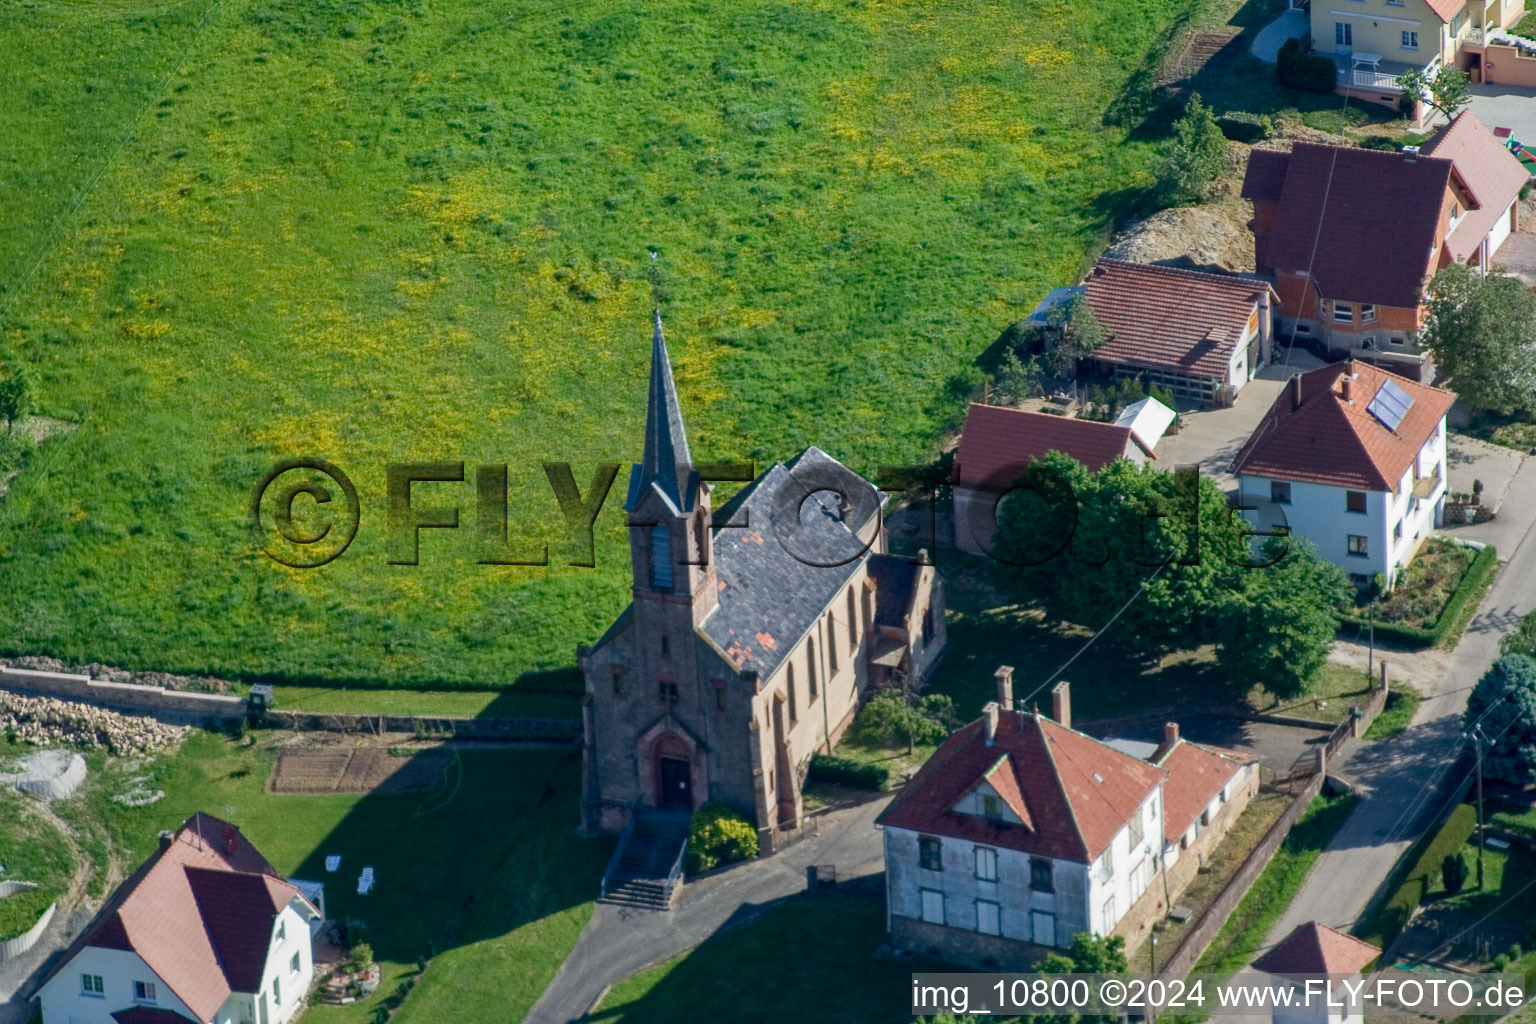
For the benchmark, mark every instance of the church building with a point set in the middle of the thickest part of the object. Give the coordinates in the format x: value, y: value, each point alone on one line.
x: 754, y: 633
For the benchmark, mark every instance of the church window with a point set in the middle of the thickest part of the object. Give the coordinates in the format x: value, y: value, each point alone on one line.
x: 789, y: 686
x: 667, y: 690
x: 810, y: 665
x: 928, y: 624
x: 661, y: 557
x: 853, y: 637
x: 831, y: 646
x: 700, y: 539
x: 666, y: 645
x: 719, y: 695
x: 618, y: 680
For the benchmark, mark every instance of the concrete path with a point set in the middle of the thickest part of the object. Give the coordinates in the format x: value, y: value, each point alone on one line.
x: 619, y: 941
x: 1396, y: 777
x: 1290, y: 25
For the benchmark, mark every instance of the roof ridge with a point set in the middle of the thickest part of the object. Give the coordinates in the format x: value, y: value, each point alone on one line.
x: 1254, y: 283
x: 1066, y: 799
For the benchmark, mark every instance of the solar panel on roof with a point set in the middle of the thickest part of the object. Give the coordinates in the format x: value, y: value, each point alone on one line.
x: 1390, y: 405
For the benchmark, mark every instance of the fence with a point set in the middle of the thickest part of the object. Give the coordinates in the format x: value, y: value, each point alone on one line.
x: 19, y: 944
x: 547, y: 730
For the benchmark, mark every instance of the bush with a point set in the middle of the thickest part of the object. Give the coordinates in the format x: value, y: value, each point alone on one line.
x: 719, y: 835
x: 1305, y: 71
x: 1453, y: 873
x: 846, y: 772
x: 362, y: 956
x: 1241, y: 126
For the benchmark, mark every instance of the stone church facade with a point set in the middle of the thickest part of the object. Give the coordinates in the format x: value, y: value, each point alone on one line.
x: 754, y: 632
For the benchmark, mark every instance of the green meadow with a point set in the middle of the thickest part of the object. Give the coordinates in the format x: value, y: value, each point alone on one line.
x: 400, y: 231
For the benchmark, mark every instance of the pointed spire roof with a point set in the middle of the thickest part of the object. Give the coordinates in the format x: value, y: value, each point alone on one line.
x: 666, y: 464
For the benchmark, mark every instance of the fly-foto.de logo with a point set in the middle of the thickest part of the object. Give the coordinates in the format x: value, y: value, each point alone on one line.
x: 305, y: 512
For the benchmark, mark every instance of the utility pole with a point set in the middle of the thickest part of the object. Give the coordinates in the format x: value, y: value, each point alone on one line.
x: 1477, y: 738
x: 1370, y: 657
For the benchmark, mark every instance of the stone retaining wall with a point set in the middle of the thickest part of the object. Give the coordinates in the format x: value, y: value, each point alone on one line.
x: 118, y: 696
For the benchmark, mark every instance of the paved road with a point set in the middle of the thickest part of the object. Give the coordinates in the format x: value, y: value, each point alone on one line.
x: 1290, y: 25
x: 1395, y: 776
x: 618, y: 941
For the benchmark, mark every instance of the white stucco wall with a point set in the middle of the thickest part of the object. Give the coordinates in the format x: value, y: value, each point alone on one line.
x: 65, y: 1002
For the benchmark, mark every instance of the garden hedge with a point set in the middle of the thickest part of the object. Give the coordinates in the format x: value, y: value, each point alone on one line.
x: 1304, y: 71
x: 1413, y: 884
x: 1241, y: 126
x: 719, y: 834
x: 846, y: 772
x: 1471, y: 586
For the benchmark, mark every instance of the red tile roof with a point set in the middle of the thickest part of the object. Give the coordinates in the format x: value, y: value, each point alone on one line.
x: 199, y: 912
x: 1168, y: 318
x: 1364, y: 222
x: 1005, y: 441
x: 1317, y: 949
x: 1265, y: 176
x: 1445, y: 10
x: 1330, y: 441
x: 1492, y: 173
x: 1078, y: 792
x: 1196, y: 774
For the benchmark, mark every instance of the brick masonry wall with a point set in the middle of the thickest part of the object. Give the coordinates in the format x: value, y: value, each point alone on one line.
x: 964, y: 947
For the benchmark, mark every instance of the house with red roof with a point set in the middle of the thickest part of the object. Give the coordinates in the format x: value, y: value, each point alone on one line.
x: 1353, y: 458
x: 1020, y: 832
x: 204, y: 932
x: 998, y: 444
x: 1201, y: 335
x: 1353, y: 236
x: 1309, y: 952
x: 1380, y: 37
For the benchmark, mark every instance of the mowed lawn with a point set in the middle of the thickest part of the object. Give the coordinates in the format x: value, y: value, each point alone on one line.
x: 483, y: 879
x: 382, y: 232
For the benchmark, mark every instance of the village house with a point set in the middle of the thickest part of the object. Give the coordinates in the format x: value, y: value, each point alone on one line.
x: 1309, y: 952
x: 1374, y: 41
x: 998, y: 444
x: 1201, y: 335
x: 1353, y: 236
x: 1353, y: 458
x: 204, y: 932
x: 753, y: 633
x: 1020, y: 832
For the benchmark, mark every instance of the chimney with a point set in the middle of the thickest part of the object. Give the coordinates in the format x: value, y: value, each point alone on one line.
x: 1410, y: 154
x: 1296, y: 392
x: 1348, y: 389
x: 990, y: 714
x: 1004, y: 676
x: 1061, y: 703
x: 1170, y: 735
x: 229, y: 838
x: 167, y: 837
x: 1266, y: 323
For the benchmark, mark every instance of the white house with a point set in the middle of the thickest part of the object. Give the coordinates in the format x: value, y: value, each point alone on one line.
x: 1309, y: 952
x: 1352, y: 457
x: 205, y: 932
x: 1021, y: 832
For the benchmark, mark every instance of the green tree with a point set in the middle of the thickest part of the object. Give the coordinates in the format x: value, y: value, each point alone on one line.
x: 1086, y: 954
x: 1445, y: 91
x: 1278, y: 626
x: 1196, y: 159
x: 890, y: 718
x: 1523, y: 639
x: 1503, y: 706
x: 1076, y: 332
x: 1481, y: 331
x: 1084, y: 543
x: 1453, y: 872
x: 15, y: 395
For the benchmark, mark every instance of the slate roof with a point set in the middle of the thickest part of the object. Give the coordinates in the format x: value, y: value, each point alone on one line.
x: 895, y: 579
x: 769, y: 598
x: 1077, y: 793
x: 666, y: 464
x: 1168, y: 318
x: 196, y: 933
x: 1196, y: 773
x: 1330, y: 441
x: 1492, y: 173
x: 1315, y: 948
x: 998, y: 444
x: 1365, y: 222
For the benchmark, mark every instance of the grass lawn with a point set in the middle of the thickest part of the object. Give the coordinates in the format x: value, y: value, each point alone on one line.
x: 1512, y: 817
x: 1417, y: 875
x: 1338, y: 688
x: 1526, y: 26
x: 404, y: 232
x: 31, y: 850
x: 392, y: 701
x: 1257, y: 912
x: 485, y: 872
x: 724, y: 979
x: 1402, y: 703
x: 1506, y: 891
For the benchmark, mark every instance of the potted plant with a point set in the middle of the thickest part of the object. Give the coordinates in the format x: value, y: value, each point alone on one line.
x: 1477, y: 492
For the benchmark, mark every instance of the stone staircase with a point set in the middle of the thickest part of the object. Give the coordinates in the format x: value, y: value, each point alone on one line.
x: 639, y: 875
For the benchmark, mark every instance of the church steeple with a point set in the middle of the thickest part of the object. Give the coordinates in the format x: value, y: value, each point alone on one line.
x: 666, y: 462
